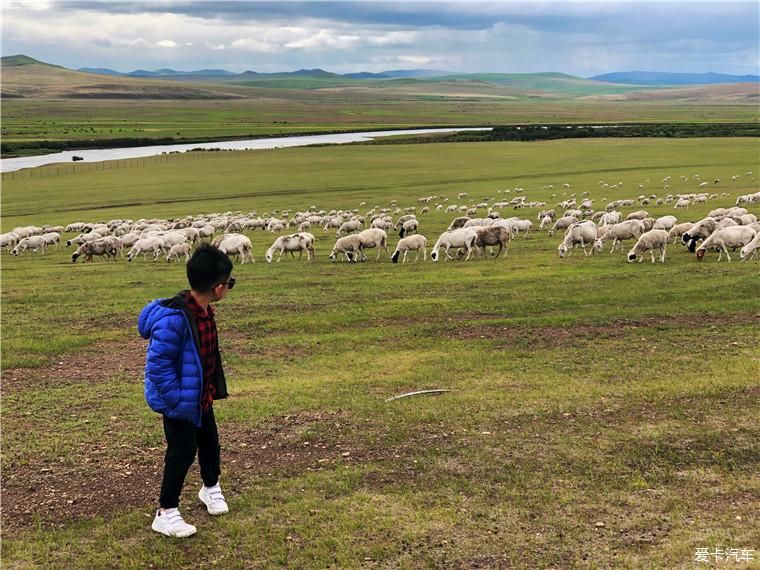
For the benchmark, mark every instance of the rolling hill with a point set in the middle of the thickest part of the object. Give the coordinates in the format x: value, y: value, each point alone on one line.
x: 25, y: 77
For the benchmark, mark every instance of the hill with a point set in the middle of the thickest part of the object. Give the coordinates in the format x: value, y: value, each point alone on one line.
x: 25, y: 77
x: 732, y: 93
x: 661, y: 78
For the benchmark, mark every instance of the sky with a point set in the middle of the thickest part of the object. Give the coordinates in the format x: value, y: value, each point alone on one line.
x: 569, y: 36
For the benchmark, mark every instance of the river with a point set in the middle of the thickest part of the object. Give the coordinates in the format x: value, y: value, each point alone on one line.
x: 100, y: 155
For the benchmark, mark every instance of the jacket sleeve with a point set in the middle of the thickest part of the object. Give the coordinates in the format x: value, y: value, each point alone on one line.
x: 163, y: 359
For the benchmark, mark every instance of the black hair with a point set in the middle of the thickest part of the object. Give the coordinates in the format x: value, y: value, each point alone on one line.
x: 207, y: 267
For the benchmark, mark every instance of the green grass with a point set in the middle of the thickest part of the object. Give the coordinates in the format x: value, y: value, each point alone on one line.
x: 629, y: 443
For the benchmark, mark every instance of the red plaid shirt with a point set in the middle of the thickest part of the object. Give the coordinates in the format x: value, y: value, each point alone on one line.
x: 208, y: 347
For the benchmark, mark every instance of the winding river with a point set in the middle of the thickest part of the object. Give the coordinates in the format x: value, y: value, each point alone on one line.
x: 99, y: 155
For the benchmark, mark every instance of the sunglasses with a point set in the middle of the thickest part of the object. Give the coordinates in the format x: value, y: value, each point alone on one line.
x: 230, y: 284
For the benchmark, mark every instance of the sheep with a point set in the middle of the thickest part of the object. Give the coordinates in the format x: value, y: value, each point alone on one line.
x: 722, y: 239
x: 349, y: 247
x: 9, y: 240
x: 51, y: 238
x: 679, y: 229
x: 103, y: 247
x: 583, y: 234
x: 665, y: 223
x: 462, y: 237
x: 415, y: 243
x: 562, y: 224
x: 629, y: 229
x: 145, y: 245
x: 521, y: 226
x: 373, y: 237
x: 699, y: 231
x: 750, y: 250
x: 649, y: 241
x: 638, y: 215
x: 545, y: 222
x: 458, y: 222
x: 81, y: 238
x: 31, y: 243
x: 381, y: 223
x: 349, y: 227
x: 409, y: 227
x: 609, y: 218
x: 494, y: 235
x: 299, y: 242
x: 178, y: 250
x: 237, y: 244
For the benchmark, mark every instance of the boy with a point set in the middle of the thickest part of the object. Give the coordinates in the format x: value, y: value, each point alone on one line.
x: 183, y: 376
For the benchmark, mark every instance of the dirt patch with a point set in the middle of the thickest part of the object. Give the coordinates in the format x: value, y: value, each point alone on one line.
x: 543, y: 337
x: 96, y: 363
x: 95, y: 483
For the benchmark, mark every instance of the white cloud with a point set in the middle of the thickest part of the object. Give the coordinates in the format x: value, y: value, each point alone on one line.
x: 213, y: 46
x: 325, y: 39
x: 166, y: 44
x: 394, y: 38
x: 250, y: 44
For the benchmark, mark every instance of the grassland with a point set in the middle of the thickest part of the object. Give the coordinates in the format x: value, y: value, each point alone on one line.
x: 49, y: 104
x: 603, y: 414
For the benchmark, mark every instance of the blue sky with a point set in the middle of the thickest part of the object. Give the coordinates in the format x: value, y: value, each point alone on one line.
x: 581, y: 38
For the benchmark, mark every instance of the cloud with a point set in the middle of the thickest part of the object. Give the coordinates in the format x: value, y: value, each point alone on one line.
x: 573, y: 36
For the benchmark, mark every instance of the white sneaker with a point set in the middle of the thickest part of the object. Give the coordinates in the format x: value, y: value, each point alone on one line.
x: 213, y: 499
x: 170, y: 523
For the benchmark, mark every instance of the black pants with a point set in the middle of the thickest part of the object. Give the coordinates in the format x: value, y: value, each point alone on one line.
x: 183, y: 440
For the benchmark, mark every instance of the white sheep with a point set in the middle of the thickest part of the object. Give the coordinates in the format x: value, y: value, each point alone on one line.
x: 349, y: 227
x: 461, y: 237
x: 750, y: 250
x: 32, y: 243
x: 722, y: 239
x: 562, y: 224
x: 629, y: 229
x: 371, y: 238
x: 299, y: 242
x: 665, y: 223
x: 237, y: 244
x: 409, y: 227
x: 144, y: 246
x: 414, y: 243
x: 679, y: 229
x: 649, y: 241
x: 349, y: 247
x: 104, y: 247
x: 178, y: 250
x: 583, y: 234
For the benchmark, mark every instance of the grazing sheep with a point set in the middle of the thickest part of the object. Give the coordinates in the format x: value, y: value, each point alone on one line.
x: 639, y: 215
x: 461, y: 237
x: 750, y: 250
x: 458, y: 222
x: 415, y: 243
x: 381, y: 224
x: 178, y: 250
x: 349, y: 227
x: 373, y: 237
x: 609, y: 218
x: 102, y: 247
x: 145, y: 245
x: 629, y: 229
x: 581, y: 233
x: 237, y: 244
x: 562, y: 224
x: 545, y: 223
x: 299, y: 242
x: 8, y: 240
x: 679, y: 229
x: 722, y: 239
x: 649, y: 241
x: 665, y: 223
x: 349, y: 247
x: 409, y: 227
x: 699, y: 231
x: 521, y: 226
x: 492, y: 236
x: 31, y: 243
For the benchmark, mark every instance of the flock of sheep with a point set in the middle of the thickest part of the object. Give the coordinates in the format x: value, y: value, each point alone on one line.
x: 467, y: 235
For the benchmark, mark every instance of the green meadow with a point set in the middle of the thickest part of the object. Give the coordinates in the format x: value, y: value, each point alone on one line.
x: 602, y: 414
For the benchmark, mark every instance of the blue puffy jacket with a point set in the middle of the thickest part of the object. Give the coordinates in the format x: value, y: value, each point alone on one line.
x: 173, y: 369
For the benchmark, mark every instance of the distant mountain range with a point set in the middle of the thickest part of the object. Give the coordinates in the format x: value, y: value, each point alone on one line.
x: 169, y: 73
x: 662, y: 78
